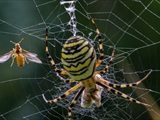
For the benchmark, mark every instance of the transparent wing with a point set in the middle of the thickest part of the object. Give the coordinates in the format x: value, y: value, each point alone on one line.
x: 31, y: 56
x: 6, y: 56
x: 28, y: 53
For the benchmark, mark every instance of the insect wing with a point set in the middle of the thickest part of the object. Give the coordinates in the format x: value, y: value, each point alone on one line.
x: 31, y: 56
x: 6, y: 56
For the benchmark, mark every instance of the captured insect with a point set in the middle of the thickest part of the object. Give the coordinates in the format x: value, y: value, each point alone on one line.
x: 20, y: 54
x: 78, y: 57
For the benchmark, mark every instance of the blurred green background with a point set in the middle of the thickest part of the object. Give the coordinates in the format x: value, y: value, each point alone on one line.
x: 132, y: 27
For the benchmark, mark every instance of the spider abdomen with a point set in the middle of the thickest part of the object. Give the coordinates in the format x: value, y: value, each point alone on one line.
x: 78, y: 58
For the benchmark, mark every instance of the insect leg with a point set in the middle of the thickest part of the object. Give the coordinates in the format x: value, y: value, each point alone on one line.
x: 13, y: 57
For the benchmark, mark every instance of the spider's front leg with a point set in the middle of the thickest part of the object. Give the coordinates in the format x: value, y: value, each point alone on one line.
x: 64, y: 95
x: 117, y: 92
x: 74, y: 101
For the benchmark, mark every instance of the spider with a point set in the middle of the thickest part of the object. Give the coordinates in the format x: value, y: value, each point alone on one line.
x: 78, y: 57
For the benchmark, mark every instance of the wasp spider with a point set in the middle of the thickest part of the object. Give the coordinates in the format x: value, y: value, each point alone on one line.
x: 78, y: 57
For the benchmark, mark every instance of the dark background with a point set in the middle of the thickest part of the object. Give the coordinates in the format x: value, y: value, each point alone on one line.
x: 125, y: 25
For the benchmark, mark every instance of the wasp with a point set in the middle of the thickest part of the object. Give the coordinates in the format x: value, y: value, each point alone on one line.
x: 20, y: 54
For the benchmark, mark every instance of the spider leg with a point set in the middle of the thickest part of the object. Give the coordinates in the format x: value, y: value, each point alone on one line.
x: 50, y: 58
x: 99, y: 61
x: 107, y: 66
x: 117, y: 92
x: 101, y: 80
x: 74, y: 102
x: 64, y: 80
x: 64, y: 95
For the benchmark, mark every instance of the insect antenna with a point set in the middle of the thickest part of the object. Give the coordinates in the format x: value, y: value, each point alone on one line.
x: 18, y: 42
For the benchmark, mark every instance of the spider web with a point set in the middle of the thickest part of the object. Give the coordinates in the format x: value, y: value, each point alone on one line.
x: 131, y: 27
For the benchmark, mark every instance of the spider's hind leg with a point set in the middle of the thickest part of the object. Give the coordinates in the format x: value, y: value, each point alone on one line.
x: 99, y: 61
x: 60, y: 71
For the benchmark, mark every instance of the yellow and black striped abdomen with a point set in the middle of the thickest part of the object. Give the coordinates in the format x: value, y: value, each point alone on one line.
x: 78, y: 58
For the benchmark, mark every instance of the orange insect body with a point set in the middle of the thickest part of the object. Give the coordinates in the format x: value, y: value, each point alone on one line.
x: 19, y: 58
